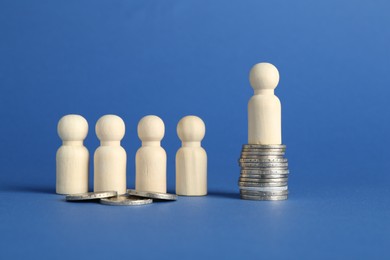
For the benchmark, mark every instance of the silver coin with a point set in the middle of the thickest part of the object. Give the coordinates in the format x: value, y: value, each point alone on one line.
x: 260, y: 155
x: 254, y: 150
x: 261, y: 193
x: 264, y: 164
x: 264, y: 176
x: 261, y: 184
x: 264, y: 171
x: 261, y: 170
x: 264, y: 193
x: 264, y: 188
x: 152, y: 195
x: 262, y: 152
x: 91, y: 195
x: 243, y: 179
x: 125, y: 200
x: 264, y: 146
x: 271, y: 197
x: 267, y: 163
x: 263, y: 157
x: 256, y: 183
x: 262, y: 160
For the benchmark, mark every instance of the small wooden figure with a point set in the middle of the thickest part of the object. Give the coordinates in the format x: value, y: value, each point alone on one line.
x: 264, y: 109
x: 72, y: 158
x: 110, y: 158
x: 191, y: 158
x: 151, y: 159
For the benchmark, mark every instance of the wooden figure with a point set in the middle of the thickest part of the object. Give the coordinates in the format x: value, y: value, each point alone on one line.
x: 151, y: 159
x: 191, y: 158
x: 264, y: 109
x: 110, y: 158
x: 72, y: 158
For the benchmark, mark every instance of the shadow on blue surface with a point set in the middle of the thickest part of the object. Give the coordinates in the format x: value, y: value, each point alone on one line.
x: 222, y: 194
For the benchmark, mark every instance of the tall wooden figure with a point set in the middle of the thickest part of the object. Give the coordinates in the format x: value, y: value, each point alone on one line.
x: 264, y: 109
x: 151, y: 159
x: 191, y: 158
x: 72, y: 159
x: 110, y: 157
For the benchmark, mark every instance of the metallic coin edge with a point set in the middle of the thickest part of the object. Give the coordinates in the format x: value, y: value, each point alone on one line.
x: 264, y: 164
x: 262, y: 180
x: 138, y: 202
x: 264, y: 188
x: 263, y: 177
x: 265, y: 159
x: 264, y: 168
x: 265, y: 196
x: 152, y: 195
x: 262, y: 158
x: 264, y: 171
x: 265, y: 146
x: 273, y: 153
x: 91, y: 195
x: 261, y: 184
x: 282, y: 197
x: 264, y: 193
x: 265, y: 150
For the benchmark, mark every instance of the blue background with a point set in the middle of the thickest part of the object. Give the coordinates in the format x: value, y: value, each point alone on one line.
x: 174, y: 58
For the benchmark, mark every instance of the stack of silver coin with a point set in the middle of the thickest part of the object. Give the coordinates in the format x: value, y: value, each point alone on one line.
x: 264, y: 172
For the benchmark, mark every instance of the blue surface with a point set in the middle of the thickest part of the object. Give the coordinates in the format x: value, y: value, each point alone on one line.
x: 174, y: 58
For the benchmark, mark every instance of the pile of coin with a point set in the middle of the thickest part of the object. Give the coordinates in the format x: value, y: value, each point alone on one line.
x: 264, y: 172
x: 131, y: 198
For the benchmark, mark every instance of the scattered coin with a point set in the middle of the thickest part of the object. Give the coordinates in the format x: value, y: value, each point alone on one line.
x: 91, y: 195
x: 152, y: 195
x: 125, y: 200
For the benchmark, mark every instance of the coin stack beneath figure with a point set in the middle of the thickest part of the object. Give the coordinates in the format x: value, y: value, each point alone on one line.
x: 264, y: 172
